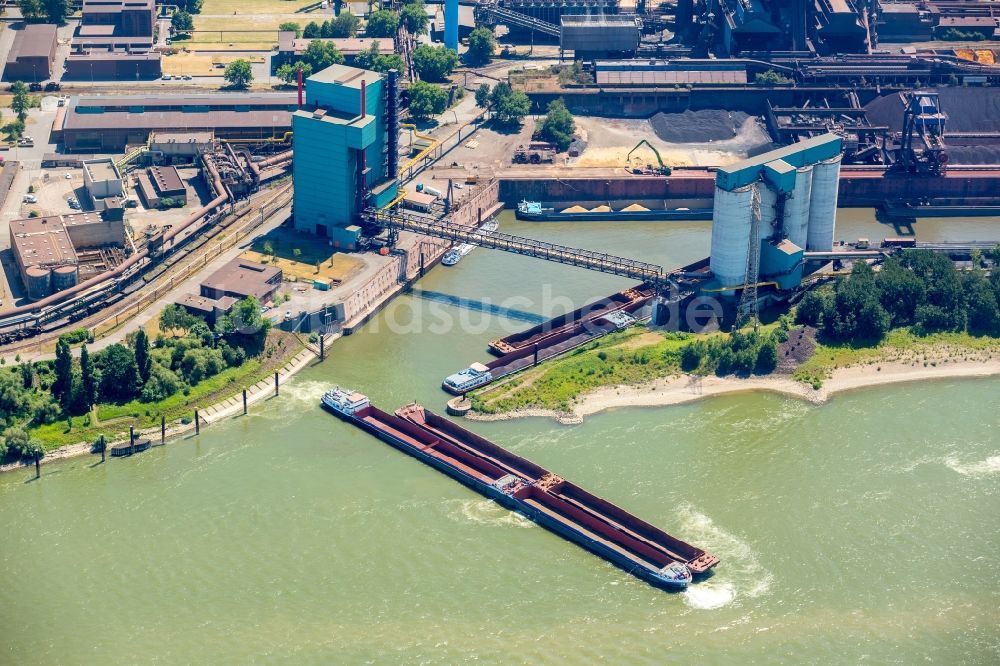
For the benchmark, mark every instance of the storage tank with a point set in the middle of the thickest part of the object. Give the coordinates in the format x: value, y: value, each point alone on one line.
x: 37, y: 282
x: 64, y: 277
x: 768, y: 217
x: 797, y: 205
x: 823, y: 205
x: 731, y: 217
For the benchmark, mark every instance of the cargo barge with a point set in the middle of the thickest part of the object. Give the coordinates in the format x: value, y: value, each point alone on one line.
x: 534, y: 211
x: 522, y: 486
x: 895, y: 212
x: 629, y: 301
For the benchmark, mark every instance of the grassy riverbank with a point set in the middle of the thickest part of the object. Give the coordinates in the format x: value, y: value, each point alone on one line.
x: 623, y: 367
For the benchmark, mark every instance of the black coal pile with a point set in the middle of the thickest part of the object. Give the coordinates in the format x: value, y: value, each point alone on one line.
x: 698, y: 126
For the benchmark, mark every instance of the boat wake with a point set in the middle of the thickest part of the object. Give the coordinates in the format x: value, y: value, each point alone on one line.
x: 739, y: 572
x: 297, y: 397
x: 976, y: 469
x: 488, y: 512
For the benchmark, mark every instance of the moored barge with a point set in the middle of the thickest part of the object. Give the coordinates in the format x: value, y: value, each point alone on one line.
x: 520, y: 485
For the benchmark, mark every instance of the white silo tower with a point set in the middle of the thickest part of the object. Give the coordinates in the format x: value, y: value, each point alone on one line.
x: 768, y: 209
x: 797, y: 204
x: 731, y: 220
x: 823, y: 205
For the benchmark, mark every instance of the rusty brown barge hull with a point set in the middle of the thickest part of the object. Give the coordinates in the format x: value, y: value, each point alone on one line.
x: 533, y: 491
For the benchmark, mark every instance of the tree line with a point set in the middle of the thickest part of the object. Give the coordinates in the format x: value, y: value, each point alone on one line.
x: 919, y: 289
x: 46, y: 391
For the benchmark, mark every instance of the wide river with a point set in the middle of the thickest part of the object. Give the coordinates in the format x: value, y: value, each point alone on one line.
x: 864, y: 530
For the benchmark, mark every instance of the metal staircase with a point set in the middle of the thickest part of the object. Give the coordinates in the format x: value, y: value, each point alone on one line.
x: 748, y: 299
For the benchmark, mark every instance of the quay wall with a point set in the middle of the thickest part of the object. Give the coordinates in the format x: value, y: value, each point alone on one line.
x: 857, y: 188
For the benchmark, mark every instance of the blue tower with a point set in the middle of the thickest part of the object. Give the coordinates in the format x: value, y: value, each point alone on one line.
x: 451, y: 24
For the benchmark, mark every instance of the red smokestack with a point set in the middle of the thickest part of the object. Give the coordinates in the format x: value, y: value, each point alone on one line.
x: 300, y: 88
x: 362, y: 98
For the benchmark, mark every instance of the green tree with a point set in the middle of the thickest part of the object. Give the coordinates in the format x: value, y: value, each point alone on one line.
x: 63, y: 386
x: 16, y: 440
x: 813, y: 306
x: 984, y: 313
x: 20, y: 102
x: 900, y: 291
x: 483, y: 96
x: 33, y: 11
x: 182, y: 21
x: 175, y: 317
x: 426, y: 100
x: 371, y: 59
x: 509, y: 107
x: 414, y: 16
x: 313, y: 30
x: 434, y: 63
x: 88, y: 379
x: 291, y: 26
x: 771, y: 78
x: 319, y: 55
x: 290, y: 74
x: 382, y: 23
x: 162, y: 383
x: 143, y: 361
x: 192, y: 6
x: 56, y: 11
x: 482, y: 46
x: 119, y: 373
x: 245, y: 325
x: 557, y: 126
x: 239, y: 73
x: 345, y: 25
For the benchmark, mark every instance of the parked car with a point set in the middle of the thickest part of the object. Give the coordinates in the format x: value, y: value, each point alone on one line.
x: 167, y: 77
x: 188, y: 77
x: 68, y: 176
x: 52, y: 85
x: 30, y: 198
x: 34, y: 87
x: 75, y: 205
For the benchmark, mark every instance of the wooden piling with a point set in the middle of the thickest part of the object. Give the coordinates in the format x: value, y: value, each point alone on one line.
x: 535, y: 347
x: 163, y: 429
x: 197, y: 424
x: 322, y: 347
x: 276, y: 384
x: 104, y: 448
x: 38, y: 467
x: 244, y: 402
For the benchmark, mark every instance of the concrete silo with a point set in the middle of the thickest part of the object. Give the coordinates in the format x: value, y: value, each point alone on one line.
x: 797, y: 203
x: 37, y: 282
x: 823, y: 205
x: 64, y: 277
x: 731, y: 220
x: 796, y: 183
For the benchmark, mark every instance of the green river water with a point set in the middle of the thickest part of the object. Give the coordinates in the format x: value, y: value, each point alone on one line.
x: 860, y: 531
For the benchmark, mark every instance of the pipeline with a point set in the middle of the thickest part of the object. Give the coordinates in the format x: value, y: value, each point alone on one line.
x: 221, y: 197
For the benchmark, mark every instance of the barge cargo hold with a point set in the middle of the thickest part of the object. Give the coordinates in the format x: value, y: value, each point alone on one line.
x: 533, y: 211
x: 520, y: 485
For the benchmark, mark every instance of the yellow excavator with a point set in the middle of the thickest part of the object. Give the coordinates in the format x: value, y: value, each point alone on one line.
x: 662, y: 170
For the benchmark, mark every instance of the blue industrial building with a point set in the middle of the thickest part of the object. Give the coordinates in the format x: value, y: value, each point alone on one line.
x: 345, y: 157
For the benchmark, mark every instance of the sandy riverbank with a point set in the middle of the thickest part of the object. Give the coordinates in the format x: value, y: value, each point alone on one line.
x: 685, y: 388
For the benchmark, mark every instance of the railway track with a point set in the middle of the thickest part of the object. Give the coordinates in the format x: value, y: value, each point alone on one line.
x: 130, y: 295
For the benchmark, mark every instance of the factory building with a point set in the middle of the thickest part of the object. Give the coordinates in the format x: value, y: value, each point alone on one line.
x: 52, y: 253
x: 292, y: 48
x: 345, y: 155
x: 104, y: 123
x: 31, y: 55
x: 158, y: 184
x: 599, y: 36
x: 790, y: 196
